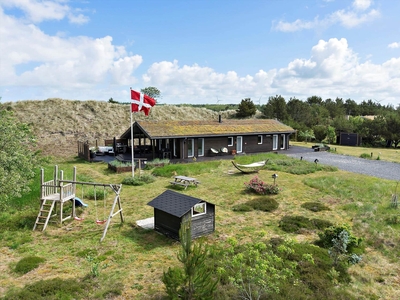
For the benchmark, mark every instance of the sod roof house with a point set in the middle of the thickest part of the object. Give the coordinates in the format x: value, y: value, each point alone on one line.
x: 187, y: 139
x: 172, y: 208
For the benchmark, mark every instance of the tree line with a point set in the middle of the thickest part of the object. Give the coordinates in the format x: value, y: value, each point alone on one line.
x: 377, y: 125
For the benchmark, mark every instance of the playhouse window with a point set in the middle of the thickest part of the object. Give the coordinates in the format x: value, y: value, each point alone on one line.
x: 199, y: 209
x: 230, y: 141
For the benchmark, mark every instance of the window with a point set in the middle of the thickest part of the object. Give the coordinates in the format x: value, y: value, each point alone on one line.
x: 230, y: 141
x: 275, y: 142
x: 190, y: 147
x: 200, y: 147
x: 199, y: 209
x: 260, y: 139
x: 282, y: 141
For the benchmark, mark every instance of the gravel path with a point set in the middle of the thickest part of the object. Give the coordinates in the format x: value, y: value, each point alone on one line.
x: 376, y: 168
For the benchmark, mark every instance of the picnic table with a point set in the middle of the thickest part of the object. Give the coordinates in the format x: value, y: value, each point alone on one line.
x: 185, y: 181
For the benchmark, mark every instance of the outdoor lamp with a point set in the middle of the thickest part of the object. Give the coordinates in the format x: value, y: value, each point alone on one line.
x: 274, y: 176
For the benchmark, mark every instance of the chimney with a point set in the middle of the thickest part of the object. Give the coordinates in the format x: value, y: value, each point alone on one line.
x: 219, y: 119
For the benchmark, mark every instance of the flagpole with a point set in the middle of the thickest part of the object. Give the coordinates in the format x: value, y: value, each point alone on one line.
x: 132, y: 151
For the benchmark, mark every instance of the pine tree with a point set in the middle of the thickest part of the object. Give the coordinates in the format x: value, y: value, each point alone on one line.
x: 193, y: 280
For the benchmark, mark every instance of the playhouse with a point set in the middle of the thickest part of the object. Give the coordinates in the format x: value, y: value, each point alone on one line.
x: 171, y: 208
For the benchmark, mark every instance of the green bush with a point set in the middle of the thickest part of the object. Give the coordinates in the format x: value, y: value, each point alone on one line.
x: 244, y: 207
x: 119, y: 164
x: 27, y: 264
x: 315, y: 206
x: 366, y: 155
x: 332, y: 232
x: 263, y: 204
x: 295, y: 223
x: 51, y: 289
x: 157, y: 162
x: 139, y: 180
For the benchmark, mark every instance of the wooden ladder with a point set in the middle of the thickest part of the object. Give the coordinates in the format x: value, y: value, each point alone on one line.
x: 45, y: 213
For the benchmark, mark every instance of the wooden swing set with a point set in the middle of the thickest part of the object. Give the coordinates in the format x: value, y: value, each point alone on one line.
x: 60, y: 191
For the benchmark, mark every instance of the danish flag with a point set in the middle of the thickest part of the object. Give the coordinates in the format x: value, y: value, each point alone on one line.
x: 141, y: 102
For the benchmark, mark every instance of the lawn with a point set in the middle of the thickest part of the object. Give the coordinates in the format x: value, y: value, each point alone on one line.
x: 130, y: 262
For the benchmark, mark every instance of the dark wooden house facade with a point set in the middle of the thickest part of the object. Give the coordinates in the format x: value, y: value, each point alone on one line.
x: 172, y: 208
x: 188, y: 139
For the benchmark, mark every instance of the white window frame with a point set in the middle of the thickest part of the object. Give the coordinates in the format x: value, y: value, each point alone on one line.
x: 260, y: 137
x: 192, y: 144
x: 200, y: 150
x: 230, y: 140
x: 202, y: 204
x: 275, y: 142
x: 283, y: 141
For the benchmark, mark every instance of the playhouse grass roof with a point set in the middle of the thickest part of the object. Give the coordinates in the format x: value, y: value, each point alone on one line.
x: 167, y: 128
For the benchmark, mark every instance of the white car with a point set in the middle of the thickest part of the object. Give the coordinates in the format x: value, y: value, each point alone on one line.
x: 103, y: 150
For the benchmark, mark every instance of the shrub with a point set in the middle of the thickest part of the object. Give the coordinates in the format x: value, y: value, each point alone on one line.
x: 27, y: 264
x: 365, y: 155
x: 157, y: 162
x: 51, y: 289
x: 242, y: 207
x: 260, y: 187
x: 295, y: 223
x: 315, y: 206
x: 326, y: 239
x: 139, y: 180
x: 119, y: 164
x: 267, y: 204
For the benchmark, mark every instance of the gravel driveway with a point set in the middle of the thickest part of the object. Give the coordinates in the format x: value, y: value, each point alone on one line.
x: 376, y: 168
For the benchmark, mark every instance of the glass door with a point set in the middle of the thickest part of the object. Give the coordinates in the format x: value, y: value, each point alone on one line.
x: 200, y: 147
x: 275, y: 142
x: 239, y: 144
x: 190, y: 147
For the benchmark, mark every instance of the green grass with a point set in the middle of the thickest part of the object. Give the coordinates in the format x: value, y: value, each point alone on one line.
x: 130, y: 261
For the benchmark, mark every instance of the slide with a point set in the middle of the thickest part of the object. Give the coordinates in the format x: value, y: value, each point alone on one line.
x: 79, y: 202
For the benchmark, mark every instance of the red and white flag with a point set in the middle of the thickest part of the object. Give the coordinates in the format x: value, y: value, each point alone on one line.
x: 141, y: 102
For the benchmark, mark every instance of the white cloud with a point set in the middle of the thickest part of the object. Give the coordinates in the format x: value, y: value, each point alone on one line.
x: 362, y: 4
x: 394, y: 45
x: 31, y: 57
x: 350, y: 17
x: 37, y: 11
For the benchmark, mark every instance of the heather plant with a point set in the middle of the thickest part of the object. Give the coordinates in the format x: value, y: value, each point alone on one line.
x: 258, y: 186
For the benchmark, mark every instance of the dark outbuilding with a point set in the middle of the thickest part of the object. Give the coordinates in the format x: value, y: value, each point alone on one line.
x: 171, y: 208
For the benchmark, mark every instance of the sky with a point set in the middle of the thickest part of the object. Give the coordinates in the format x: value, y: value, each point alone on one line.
x: 200, y: 51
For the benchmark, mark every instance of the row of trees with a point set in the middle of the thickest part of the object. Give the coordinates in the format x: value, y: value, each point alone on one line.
x: 325, y: 119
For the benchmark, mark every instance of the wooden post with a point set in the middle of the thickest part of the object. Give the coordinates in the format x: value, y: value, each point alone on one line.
x: 61, y: 196
x: 74, y: 192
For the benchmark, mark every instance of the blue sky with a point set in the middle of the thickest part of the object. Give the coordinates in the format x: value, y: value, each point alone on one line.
x: 200, y: 51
